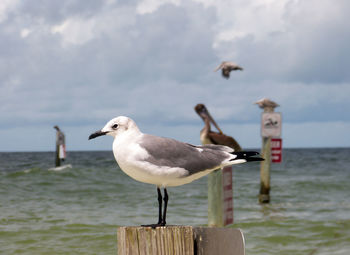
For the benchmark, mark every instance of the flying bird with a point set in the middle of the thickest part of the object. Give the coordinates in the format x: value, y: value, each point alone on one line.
x: 208, y: 136
x: 165, y: 162
x: 227, y: 67
x: 265, y: 102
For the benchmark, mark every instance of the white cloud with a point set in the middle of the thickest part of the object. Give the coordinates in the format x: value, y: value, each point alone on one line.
x: 149, y: 6
x: 25, y: 32
x: 250, y: 18
x: 75, y: 30
x: 6, y: 7
x: 110, y: 22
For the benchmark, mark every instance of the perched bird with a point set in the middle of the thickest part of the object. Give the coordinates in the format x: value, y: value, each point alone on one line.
x: 265, y: 102
x: 227, y: 67
x: 208, y: 136
x: 165, y: 162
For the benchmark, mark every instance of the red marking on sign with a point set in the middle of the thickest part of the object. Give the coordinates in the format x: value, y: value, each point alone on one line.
x: 227, y: 195
x: 276, y: 150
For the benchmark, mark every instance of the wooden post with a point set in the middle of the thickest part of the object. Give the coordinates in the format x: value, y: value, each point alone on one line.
x: 60, y: 141
x: 181, y: 240
x: 223, y: 241
x: 215, y: 201
x: 264, y: 195
x: 270, y: 127
x: 220, y: 197
x: 57, y: 157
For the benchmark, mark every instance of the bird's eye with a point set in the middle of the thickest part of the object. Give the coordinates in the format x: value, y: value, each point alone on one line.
x: 115, y: 126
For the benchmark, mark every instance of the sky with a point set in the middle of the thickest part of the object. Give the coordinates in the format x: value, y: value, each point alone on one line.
x: 78, y: 64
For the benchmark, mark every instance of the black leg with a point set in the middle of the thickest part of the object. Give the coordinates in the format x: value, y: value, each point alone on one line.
x: 165, y: 207
x: 160, y: 219
x: 160, y: 206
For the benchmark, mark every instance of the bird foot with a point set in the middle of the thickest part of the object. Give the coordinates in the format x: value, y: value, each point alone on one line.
x: 154, y: 225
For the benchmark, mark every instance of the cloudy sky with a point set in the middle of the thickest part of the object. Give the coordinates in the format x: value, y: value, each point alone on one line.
x: 77, y: 64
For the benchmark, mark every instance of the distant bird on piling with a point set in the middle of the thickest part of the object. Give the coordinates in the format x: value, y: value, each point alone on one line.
x: 163, y: 161
x: 266, y: 103
x: 208, y: 136
x: 227, y: 67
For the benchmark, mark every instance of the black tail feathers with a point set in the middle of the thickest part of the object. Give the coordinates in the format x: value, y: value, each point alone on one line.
x: 247, y: 155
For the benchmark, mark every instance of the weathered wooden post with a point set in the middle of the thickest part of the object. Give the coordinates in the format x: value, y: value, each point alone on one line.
x: 270, y: 127
x: 264, y: 194
x: 215, y: 202
x: 60, y: 153
x: 220, y: 197
x: 181, y: 240
x: 57, y: 156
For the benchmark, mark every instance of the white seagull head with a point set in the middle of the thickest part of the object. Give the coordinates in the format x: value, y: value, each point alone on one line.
x: 116, y: 127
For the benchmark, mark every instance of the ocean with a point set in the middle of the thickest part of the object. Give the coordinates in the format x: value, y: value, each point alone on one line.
x: 77, y: 210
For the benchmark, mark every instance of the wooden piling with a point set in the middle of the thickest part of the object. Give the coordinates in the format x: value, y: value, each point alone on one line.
x: 57, y: 156
x: 264, y: 194
x: 271, y: 124
x: 215, y: 201
x: 182, y: 240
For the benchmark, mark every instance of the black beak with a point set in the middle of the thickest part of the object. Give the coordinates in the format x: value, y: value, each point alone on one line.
x: 96, y: 134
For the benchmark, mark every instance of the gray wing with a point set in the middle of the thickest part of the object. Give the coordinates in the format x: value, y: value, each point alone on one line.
x: 215, y: 147
x: 168, y: 152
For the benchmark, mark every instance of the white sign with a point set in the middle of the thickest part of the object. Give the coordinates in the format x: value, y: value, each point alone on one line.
x: 271, y: 124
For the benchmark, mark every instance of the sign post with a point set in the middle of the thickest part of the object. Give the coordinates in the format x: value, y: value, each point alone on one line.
x: 215, y: 205
x: 220, y: 197
x: 271, y: 126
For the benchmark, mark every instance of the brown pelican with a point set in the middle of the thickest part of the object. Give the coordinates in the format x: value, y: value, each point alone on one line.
x: 210, y: 137
x: 227, y: 67
x: 265, y: 102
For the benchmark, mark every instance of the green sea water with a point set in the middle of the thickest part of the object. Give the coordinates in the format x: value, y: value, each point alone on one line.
x: 77, y: 210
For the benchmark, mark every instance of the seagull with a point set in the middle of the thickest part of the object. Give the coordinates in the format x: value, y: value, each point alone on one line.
x: 265, y: 102
x: 210, y: 137
x: 165, y: 162
x: 227, y: 67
